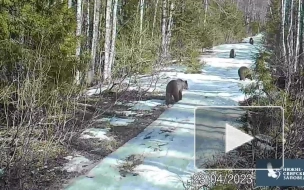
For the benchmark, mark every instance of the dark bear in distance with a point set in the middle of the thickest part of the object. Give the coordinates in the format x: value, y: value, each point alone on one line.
x: 280, y: 82
x: 175, y: 88
x: 232, y: 53
x: 244, y: 73
x: 251, y: 41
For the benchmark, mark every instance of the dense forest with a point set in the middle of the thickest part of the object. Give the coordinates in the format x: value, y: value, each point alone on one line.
x: 51, y: 51
x: 280, y: 63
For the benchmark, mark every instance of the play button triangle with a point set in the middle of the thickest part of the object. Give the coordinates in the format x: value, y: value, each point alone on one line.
x: 235, y: 138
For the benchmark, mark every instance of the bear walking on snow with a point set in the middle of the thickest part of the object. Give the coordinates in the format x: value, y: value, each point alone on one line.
x: 175, y: 88
x: 232, y: 53
x: 244, y: 73
x: 251, y: 41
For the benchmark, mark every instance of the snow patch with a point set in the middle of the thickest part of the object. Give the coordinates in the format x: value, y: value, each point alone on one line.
x: 106, y: 119
x: 116, y: 121
x: 95, y: 133
x: 157, y: 175
x: 76, y: 163
x: 146, y: 105
x: 129, y: 113
x: 95, y: 91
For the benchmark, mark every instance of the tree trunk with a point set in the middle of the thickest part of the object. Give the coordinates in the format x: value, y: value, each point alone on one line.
x: 114, y: 24
x: 205, y: 13
x: 290, y: 41
x: 282, y: 29
x: 70, y: 3
x: 300, y: 66
x: 298, y: 36
x: 107, y: 44
x: 170, y: 25
x: 164, y: 30
x: 88, y: 25
x: 91, y: 71
x: 290, y: 36
x: 142, y: 5
x: 78, y: 34
x: 154, y: 17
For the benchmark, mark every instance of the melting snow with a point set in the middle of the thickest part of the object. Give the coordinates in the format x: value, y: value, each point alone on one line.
x: 94, y: 91
x: 147, y: 105
x: 120, y: 121
x: 76, y: 163
x: 115, y: 121
x: 95, y: 133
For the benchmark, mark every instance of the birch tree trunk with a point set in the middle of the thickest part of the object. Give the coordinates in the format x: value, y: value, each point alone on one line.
x: 70, y: 3
x: 91, y: 71
x: 300, y: 66
x: 114, y: 24
x: 142, y: 5
x: 164, y: 30
x: 170, y: 25
x: 88, y: 25
x: 270, y: 9
x: 154, y: 17
x: 107, y: 44
x: 78, y: 34
x: 298, y: 36
x: 283, y: 4
x: 290, y: 42
x: 206, y: 9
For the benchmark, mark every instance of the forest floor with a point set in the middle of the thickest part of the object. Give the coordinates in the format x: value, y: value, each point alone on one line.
x: 111, y: 120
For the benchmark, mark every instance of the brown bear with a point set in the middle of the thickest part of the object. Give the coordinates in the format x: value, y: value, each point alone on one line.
x: 175, y: 88
x: 280, y: 82
x: 244, y: 73
x: 251, y: 41
x: 232, y: 53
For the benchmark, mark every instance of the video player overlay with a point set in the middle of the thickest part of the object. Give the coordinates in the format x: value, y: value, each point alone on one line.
x: 235, y: 137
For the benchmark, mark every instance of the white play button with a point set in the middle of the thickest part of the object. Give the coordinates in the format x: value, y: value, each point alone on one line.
x: 235, y: 138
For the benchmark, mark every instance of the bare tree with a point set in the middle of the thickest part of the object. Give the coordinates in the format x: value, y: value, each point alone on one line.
x: 290, y: 40
x: 107, y: 45
x: 154, y: 16
x: 70, y: 4
x: 88, y: 24
x: 164, y: 30
x: 142, y: 5
x: 78, y: 34
x: 114, y: 24
x: 170, y: 25
x: 298, y: 35
x: 283, y: 4
x: 205, y: 10
x: 97, y: 4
